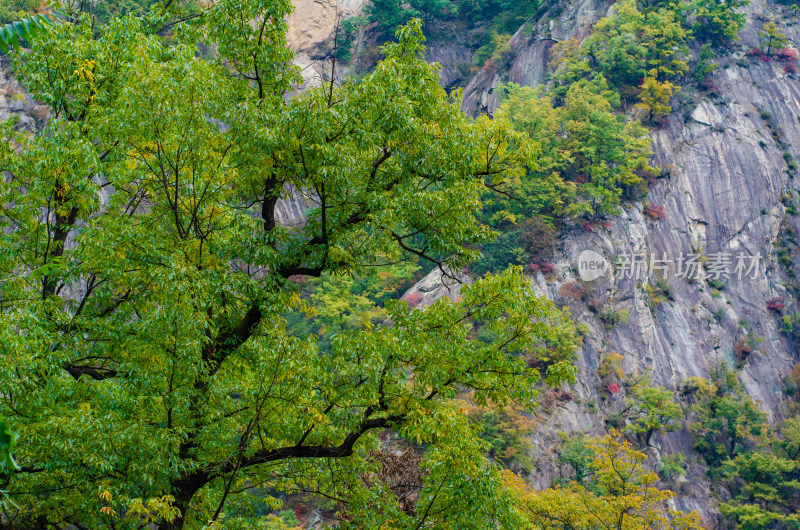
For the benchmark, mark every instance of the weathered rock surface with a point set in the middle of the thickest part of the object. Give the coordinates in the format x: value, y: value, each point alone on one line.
x: 311, y: 30
x: 15, y: 102
x: 726, y: 192
x: 530, y: 47
x: 435, y: 286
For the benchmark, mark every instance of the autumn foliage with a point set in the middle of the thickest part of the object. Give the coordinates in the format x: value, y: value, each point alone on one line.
x: 620, y: 491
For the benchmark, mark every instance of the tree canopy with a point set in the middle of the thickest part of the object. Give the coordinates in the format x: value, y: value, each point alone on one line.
x: 590, y: 155
x: 146, y: 285
x: 621, y: 494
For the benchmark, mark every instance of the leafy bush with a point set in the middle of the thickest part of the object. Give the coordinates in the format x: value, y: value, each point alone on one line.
x: 104, y: 11
x: 546, y: 267
x: 529, y: 243
x: 704, y: 66
x: 506, y: 431
x: 586, y: 147
x: 672, y: 466
x: 500, y: 254
x: 495, y: 53
x: 654, y: 98
x: 726, y: 421
x: 627, y: 47
x: 572, y: 290
x: 654, y: 211
x: 772, y: 38
x: 348, y: 29
x: 619, y: 489
x: 577, y: 454
x: 11, y: 10
x: 718, y: 22
x: 775, y: 304
x: 388, y: 14
x: 764, y: 482
x: 650, y: 410
x: 613, y: 317
x: 793, y: 381
x: 745, y: 346
x: 765, y: 491
x: 610, y: 368
x: 502, y: 16
x: 537, y: 238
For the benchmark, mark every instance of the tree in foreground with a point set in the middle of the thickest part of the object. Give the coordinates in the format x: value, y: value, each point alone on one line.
x: 146, y: 284
x: 620, y: 494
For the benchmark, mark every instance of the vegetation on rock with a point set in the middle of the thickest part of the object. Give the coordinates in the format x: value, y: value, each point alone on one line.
x: 619, y: 493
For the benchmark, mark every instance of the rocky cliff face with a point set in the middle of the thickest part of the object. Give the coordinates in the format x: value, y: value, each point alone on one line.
x: 312, y: 27
x: 530, y: 46
x: 14, y: 102
x: 731, y: 190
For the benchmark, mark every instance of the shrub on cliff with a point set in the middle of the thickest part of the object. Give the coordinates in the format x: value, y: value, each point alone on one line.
x: 619, y: 493
x: 651, y: 410
x: 718, y: 22
x: 585, y: 146
x: 537, y: 238
x: 726, y: 421
x: 627, y: 47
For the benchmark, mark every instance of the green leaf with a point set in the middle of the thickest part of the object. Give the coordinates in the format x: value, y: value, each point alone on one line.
x: 25, y: 28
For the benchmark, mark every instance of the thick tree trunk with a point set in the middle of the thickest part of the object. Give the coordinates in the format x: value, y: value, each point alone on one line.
x: 183, y: 490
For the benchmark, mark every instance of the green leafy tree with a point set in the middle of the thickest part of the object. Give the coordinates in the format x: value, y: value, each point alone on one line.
x: 503, y: 252
x: 608, y: 148
x: 495, y: 52
x: 388, y: 14
x: 719, y: 22
x: 666, y: 41
x: 577, y: 454
x: 614, y: 44
x: 622, y: 494
x: 8, y: 439
x: 103, y: 11
x: 543, y: 189
x: 430, y: 9
x: 765, y: 491
x: 391, y: 13
x: 147, y: 364
x: 502, y: 16
x: 652, y: 409
x: 584, y: 143
x: 765, y: 483
x: 628, y: 46
x: 704, y: 66
x: 789, y: 442
x: 726, y: 420
x: 347, y: 32
x: 22, y: 28
x: 772, y: 38
x: 11, y: 10
x: 654, y: 98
